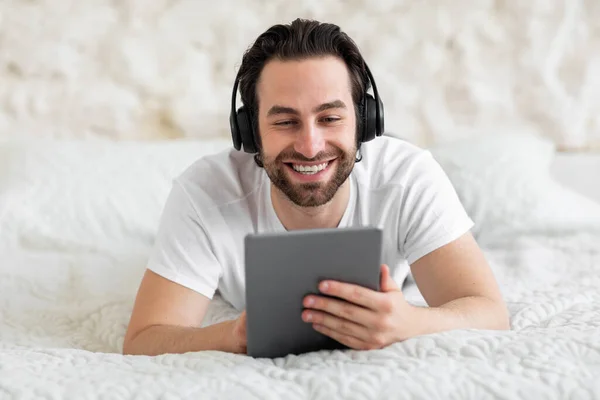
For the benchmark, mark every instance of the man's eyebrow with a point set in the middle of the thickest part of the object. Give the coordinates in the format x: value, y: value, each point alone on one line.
x: 281, y: 110
x: 275, y: 110
x: 330, y: 105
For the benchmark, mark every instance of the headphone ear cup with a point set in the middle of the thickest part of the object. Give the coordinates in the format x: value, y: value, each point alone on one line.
x: 370, y: 130
x: 381, y: 119
x: 246, y: 134
x: 235, y: 133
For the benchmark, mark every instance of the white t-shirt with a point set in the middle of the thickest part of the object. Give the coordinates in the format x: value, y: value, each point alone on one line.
x: 219, y: 199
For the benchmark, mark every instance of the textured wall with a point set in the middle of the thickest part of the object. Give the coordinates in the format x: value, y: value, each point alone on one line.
x: 164, y: 68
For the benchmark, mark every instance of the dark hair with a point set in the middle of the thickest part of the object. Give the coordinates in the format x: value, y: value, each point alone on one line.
x: 299, y: 40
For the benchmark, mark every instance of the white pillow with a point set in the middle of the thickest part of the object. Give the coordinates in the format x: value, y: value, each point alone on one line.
x: 506, y: 186
x: 89, y: 194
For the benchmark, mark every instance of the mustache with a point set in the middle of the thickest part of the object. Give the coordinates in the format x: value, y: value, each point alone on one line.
x: 321, y: 156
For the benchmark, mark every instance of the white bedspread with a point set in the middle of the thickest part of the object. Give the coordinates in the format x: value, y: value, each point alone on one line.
x: 63, y: 318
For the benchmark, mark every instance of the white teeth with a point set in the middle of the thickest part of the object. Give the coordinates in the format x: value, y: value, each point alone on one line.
x: 309, y: 170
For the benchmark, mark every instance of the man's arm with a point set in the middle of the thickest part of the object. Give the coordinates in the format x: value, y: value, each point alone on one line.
x: 460, y: 289
x: 166, y: 318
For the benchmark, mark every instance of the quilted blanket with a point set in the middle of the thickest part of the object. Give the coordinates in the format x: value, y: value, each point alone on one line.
x: 63, y: 317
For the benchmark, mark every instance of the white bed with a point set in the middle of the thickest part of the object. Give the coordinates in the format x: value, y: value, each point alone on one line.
x: 77, y: 221
x: 578, y: 171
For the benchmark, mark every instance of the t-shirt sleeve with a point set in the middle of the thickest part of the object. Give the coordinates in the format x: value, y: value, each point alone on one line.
x: 182, y: 252
x: 432, y: 214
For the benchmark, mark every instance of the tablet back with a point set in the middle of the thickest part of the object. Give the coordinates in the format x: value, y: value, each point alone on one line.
x: 282, y: 268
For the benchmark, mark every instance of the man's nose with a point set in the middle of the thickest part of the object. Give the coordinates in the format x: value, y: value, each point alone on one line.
x: 310, y: 141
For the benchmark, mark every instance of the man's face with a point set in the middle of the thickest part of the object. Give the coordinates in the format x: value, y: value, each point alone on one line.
x: 307, y: 127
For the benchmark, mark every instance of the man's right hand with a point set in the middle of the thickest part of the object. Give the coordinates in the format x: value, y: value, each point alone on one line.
x: 238, y: 333
x: 167, y: 318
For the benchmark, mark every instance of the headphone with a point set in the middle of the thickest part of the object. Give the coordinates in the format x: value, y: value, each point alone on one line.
x: 371, y: 112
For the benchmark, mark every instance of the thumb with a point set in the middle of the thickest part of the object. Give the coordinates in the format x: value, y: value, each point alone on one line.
x: 387, y: 283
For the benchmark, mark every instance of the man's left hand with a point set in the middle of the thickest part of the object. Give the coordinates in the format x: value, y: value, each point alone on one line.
x: 361, y: 318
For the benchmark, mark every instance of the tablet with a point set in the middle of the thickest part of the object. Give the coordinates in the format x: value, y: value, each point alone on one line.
x: 282, y: 268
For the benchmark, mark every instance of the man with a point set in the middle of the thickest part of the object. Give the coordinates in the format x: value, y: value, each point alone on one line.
x: 303, y: 87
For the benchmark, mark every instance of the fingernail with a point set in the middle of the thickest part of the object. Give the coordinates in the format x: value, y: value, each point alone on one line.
x: 309, y: 317
x: 324, y: 286
x: 310, y: 301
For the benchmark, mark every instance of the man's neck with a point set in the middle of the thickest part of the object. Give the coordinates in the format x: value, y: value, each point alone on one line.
x: 294, y: 217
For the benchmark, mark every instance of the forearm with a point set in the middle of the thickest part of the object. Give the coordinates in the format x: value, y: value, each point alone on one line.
x: 161, y: 339
x: 464, y: 313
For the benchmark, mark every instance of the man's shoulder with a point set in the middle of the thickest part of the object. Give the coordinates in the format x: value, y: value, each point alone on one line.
x: 390, y: 160
x: 221, y: 178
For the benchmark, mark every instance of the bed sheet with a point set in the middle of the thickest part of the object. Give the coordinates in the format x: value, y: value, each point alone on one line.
x: 63, y: 317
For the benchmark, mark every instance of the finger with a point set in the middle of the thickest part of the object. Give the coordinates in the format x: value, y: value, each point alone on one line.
x: 387, y: 282
x: 349, y: 341
x: 355, y: 294
x: 337, y: 324
x: 343, y: 309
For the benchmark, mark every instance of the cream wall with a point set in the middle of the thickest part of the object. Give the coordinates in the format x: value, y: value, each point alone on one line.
x: 155, y: 69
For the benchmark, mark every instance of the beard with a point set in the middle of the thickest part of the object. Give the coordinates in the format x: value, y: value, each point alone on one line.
x: 309, y: 194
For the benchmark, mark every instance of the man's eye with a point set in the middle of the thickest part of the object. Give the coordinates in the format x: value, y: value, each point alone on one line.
x: 285, y: 123
x: 330, y: 119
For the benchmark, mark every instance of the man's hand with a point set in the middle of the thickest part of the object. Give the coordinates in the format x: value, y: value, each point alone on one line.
x: 455, y: 280
x: 238, y: 334
x: 167, y: 318
x: 362, y: 319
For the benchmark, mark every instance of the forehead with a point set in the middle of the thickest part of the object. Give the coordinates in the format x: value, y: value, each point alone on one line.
x: 304, y: 82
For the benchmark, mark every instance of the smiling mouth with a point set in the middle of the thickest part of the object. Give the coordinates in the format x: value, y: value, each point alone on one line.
x: 309, y: 169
